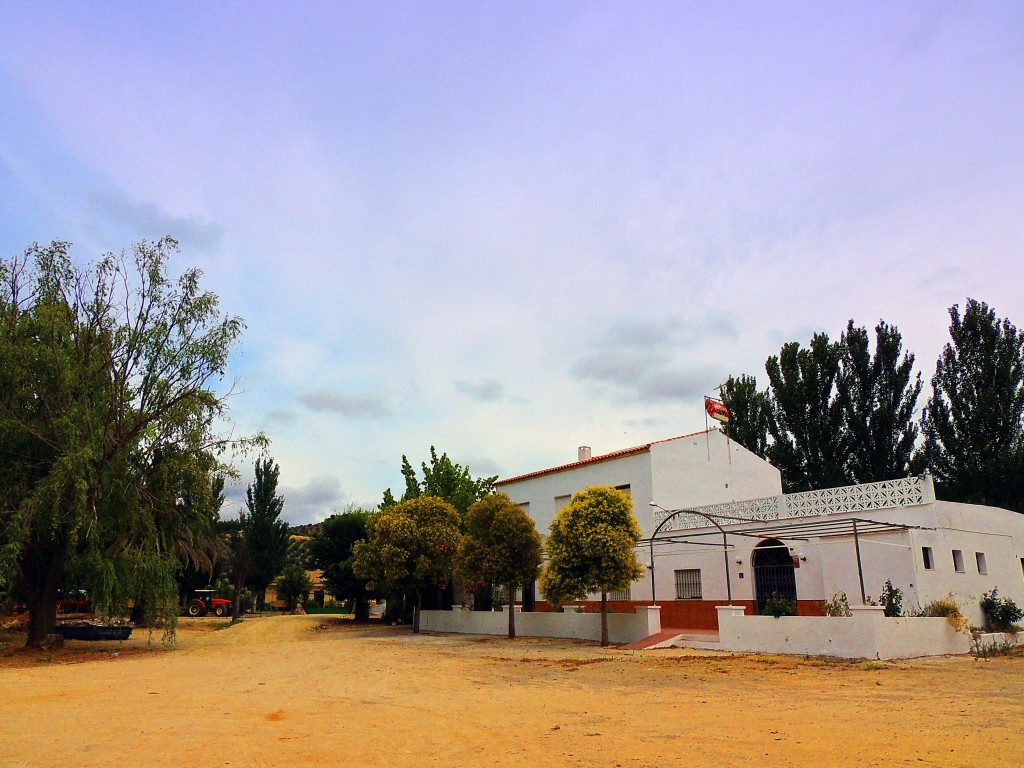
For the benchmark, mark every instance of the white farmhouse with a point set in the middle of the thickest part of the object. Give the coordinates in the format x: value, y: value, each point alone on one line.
x: 692, y: 470
x: 726, y: 533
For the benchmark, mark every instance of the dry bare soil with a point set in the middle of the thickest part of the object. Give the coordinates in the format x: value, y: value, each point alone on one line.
x: 305, y: 691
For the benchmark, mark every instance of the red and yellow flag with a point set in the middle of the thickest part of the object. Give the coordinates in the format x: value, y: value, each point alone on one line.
x: 716, y: 410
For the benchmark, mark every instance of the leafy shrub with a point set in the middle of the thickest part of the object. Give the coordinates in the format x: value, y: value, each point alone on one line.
x: 948, y: 608
x: 293, y: 586
x: 1001, y: 613
x: 777, y: 606
x: 839, y: 605
x: 891, y: 599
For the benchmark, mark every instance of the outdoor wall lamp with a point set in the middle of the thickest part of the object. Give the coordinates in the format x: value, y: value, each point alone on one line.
x: 739, y: 561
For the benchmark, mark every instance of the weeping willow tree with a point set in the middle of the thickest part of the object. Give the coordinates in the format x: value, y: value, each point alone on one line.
x: 109, y: 425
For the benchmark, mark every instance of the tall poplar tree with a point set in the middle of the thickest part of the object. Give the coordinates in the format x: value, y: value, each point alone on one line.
x: 878, y: 393
x: 974, y: 421
x: 750, y: 413
x: 809, y: 444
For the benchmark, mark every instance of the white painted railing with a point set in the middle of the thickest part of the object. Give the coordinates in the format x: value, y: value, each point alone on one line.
x: 905, y: 492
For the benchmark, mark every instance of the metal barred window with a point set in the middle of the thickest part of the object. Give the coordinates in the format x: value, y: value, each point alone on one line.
x: 688, y: 584
x: 622, y: 595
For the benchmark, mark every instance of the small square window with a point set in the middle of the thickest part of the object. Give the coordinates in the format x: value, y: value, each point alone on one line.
x: 958, y: 561
x: 982, y: 565
x: 688, y: 585
x: 926, y: 554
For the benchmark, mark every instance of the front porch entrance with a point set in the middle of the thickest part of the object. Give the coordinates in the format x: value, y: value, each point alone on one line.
x: 773, y: 572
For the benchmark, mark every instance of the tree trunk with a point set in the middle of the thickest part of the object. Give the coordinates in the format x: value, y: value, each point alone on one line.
x: 235, y: 599
x: 42, y: 573
x: 511, y: 611
x: 604, y: 619
x: 416, y: 615
x: 529, y: 596
x: 138, y: 614
x: 362, y: 609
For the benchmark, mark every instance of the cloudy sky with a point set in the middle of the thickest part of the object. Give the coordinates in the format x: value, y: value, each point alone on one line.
x: 509, y: 229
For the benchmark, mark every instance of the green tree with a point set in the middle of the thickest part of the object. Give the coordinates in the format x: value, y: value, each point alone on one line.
x: 411, y: 546
x: 266, y: 535
x: 240, y: 561
x: 501, y: 546
x: 331, y: 550
x: 293, y: 586
x: 973, y: 424
x: 809, y: 442
x: 750, y: 414
x: 879, y: 394
x: 102, y: 368
x: 442, y: 479
x: 591, y: 549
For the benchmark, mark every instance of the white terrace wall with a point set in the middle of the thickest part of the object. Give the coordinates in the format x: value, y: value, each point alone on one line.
x: 868, y: 634
x: 622, y: 627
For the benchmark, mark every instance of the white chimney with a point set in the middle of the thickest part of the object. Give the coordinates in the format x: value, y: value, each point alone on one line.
x: 583, y: 452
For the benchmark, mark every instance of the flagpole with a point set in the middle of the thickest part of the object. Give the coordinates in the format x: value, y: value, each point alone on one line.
x: 707, y: 429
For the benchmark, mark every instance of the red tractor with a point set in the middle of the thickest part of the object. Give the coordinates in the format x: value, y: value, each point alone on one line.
x: 204, y: 602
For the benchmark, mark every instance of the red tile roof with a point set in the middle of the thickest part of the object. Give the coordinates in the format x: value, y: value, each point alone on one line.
x: 596, y: 459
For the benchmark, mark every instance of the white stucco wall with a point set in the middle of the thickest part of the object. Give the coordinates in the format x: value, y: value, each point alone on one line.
x: 868, y: 634
x: 541, y: 491
x: 688, y: 471
x: 622, y: 627
x: 707, y: 468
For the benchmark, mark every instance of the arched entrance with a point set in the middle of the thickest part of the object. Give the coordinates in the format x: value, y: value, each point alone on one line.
x: 773, y: 572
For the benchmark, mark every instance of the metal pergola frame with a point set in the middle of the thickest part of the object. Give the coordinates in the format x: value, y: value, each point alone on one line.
x: 788, y: 529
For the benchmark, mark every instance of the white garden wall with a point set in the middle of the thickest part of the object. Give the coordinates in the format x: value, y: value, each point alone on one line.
x: 867, y: 634
x: 622, y: 627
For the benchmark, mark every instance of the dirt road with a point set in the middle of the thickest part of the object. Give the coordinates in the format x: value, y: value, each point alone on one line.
x: 302, y: 691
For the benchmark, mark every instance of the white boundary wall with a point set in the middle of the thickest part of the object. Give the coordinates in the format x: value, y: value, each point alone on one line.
x: 622, y: 627
x: 867, y: 634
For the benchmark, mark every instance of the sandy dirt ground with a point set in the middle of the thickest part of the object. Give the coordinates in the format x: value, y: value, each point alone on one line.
x: 309, y: 691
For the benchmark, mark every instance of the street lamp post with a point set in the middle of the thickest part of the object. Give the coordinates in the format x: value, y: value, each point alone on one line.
x: 725, y: 545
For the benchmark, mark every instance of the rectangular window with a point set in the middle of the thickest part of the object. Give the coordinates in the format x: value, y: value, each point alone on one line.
x: 624, y: 489
x: 958, y: 561
x: 688, y: 584
x: 621, y: 595
x: 926, y: 554
x: 979, y: 557
x: 524, y: 505
x: 561, y: 502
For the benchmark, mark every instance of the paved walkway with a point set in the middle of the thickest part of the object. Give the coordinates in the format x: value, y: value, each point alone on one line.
x: 675, y: 637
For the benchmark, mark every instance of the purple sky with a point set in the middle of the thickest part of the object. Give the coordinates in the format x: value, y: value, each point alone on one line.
x: 511, y: 229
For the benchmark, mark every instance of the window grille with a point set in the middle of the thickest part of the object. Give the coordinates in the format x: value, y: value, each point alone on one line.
x: 688, y: 584
x: 620, y: 595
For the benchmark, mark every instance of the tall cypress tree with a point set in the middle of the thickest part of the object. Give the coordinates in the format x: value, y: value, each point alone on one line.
x: 809, y: 444
x: 878, y: 396
x: 974, y: 422
x: 266, y: 535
